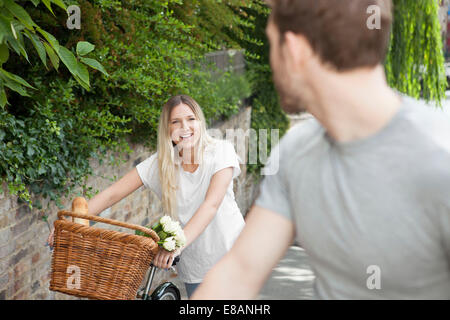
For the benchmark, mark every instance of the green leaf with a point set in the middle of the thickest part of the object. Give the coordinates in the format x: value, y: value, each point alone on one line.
x: 3, y: 99
x: 78, y: 70
x: 48, y: 4
x: 41, y: 170
x: 19, y: 13
x: 14, y: 44
x: 60, y: 4
x: 162, y: 235
x: 83, y: 73
x: 51, y: 39
x: 84, y: 47
x: 16, y: 87
x: 22, y: 46
x: 68, y: 59
x: 156, y: 227
x: 5, y: 28
x: 81, y: 82
x: 38, y: 46
x: 16, y: 78
x: 4, y: 53
x: 53, y: 56
x: 94, y: 64
x: 30, y: 150
x: 141, y: 233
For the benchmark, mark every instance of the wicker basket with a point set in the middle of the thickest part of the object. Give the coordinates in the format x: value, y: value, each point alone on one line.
x: 96, y: 263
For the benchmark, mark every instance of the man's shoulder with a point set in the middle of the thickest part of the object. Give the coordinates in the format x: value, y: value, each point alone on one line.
x: 301, y: 133
x: 305, y: 128
x: 431, y: 146
x: 431, y: 121
x: 296, y: 139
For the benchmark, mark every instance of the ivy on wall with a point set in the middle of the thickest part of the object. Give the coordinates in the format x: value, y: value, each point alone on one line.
x: 148, y: 51
x: 48, y: 136
x: 415, y: 62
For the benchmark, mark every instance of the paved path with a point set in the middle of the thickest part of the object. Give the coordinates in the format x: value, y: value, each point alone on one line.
x: 291, y: 279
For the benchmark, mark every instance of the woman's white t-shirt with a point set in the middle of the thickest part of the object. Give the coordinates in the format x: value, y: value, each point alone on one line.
x: 218, y: 237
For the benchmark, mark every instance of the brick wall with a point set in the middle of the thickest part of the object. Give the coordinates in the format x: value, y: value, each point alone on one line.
x: 25, y: 261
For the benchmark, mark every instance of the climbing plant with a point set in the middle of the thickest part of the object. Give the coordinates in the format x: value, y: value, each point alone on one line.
x: 48, y: 136
x: 17, y: 27
x: 415, y: 62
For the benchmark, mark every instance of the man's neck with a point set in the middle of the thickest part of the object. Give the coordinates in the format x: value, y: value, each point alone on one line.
x: 355, y: 105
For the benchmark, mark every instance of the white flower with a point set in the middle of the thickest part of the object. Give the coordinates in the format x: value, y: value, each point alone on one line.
x: 180, y: 239
x: 165, y: 220
x: 177, y: 227
x: 169, y: 227
x: 169, y: 244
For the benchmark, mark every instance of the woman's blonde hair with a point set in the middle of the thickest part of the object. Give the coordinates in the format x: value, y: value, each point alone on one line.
x: 168, y: 157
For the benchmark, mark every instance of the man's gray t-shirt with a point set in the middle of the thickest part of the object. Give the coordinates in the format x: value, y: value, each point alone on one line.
x: 373, y: 215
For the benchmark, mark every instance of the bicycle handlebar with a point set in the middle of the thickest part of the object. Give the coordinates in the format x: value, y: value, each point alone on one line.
x: 175, y: 261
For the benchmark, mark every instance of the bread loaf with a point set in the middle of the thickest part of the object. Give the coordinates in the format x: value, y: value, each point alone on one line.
x: 79, y: 205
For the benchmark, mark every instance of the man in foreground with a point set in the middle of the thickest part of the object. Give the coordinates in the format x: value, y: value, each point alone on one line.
x: 364, y: 185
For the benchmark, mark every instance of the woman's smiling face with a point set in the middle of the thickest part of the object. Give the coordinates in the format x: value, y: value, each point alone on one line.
x: 184, y: 126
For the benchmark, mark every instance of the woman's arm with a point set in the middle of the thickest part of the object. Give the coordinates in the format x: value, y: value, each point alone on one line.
x: 203, y: 216
x: 207, y: 210
x: 114, y: 193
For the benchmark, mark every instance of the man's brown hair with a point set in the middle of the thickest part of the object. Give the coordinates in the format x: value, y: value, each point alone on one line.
x: 337, y: 29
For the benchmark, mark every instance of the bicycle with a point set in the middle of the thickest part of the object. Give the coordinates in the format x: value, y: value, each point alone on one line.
x: 165, y: 291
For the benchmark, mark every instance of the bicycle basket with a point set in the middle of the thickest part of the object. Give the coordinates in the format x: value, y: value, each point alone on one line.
x: 96, y: 263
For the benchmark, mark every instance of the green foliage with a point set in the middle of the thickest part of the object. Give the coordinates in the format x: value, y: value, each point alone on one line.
x: 415, y: 63
x: 213, y: 20
x: 47, y: 151
x: 48, y: 138
x: 266, y: 110
x: 16, y: 25
x: 54, y: 120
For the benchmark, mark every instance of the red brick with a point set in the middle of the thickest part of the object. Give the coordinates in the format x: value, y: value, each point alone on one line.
x: 36, y: 257
x: 21, y: 268
x: 22, y: 211
x: 5, y: 219
x: 22, y: 295
x: 20, y: 227
x: 19, y: 256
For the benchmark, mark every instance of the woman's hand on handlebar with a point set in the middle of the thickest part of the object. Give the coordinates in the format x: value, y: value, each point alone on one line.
x: 164, y: 258
x: 50, y: 238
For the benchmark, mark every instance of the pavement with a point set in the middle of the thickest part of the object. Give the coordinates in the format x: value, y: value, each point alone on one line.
x: 291, y: 279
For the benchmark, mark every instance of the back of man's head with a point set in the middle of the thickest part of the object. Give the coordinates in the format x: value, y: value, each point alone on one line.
x: 342, y: 33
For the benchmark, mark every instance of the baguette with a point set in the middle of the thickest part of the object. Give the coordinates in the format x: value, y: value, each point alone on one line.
x: 79, y: 205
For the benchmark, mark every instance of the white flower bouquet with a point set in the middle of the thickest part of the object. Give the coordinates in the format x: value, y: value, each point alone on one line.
x: 170, y: 233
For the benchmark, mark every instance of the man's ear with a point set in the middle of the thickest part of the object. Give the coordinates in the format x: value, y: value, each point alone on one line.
x: 298, y: 48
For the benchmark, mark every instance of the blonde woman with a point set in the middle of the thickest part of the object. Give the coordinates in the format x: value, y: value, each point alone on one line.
x: 192, y: 174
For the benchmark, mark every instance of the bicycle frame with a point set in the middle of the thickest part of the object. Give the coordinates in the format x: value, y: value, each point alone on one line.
x: 160, y: 289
